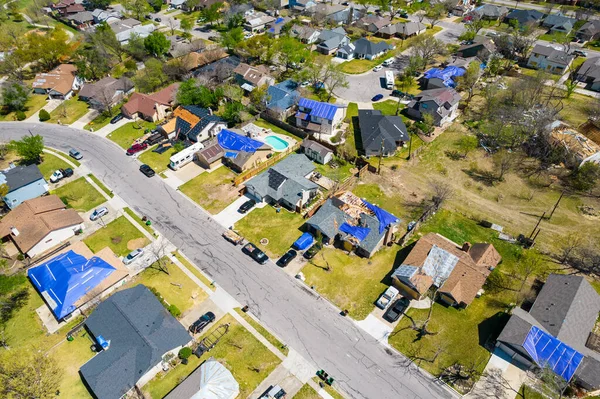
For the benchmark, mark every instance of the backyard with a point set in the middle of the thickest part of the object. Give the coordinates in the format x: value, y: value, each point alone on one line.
x: 68, y: 111
x: 213, y: 191
x: 340, y: 173
x: 79, y: 195
x: 158, y: 162
x: 266, y: 223
x: 267, y: 125
x: 34, y: 103
x: 119, y: 235
x: 126, y: 134
x: 50, y: 163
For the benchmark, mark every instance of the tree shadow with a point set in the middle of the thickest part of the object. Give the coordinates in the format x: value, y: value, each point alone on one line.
x: 490, y: 328
x: 482, y: 176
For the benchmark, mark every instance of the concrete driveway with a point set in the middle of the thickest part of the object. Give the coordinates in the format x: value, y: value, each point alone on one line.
x: 230, y: 215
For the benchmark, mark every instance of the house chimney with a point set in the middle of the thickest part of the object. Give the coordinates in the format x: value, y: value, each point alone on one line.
x: 14, y: 231
x: 466, y: 246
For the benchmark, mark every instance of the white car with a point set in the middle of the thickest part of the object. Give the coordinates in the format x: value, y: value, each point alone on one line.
x: 56, y: 176
x: 388, y: 62
x: 377, y: 68
x: 133, y: 255
x: 248, y: 35
x: 98, y: 213
x: 387, y: 297
x: 304, y: 84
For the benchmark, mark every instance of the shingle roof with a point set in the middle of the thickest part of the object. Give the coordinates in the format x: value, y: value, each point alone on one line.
x: 145, y: 103
x: 20, y: 176
x: 591, y: 27
x: 328, y: 219
x: 525, y: 16
x: 439, y: 96
x: 140, y: 331
x: 313, y: 145
x: 60, y: 79
x: 105, y: 88
x: 556, y: 55
x: 283, y: 95
x: 377, y: 129
x: 212, y: 151
x: 557, y: 19
x: 364, y: 47
x: 590, y: 68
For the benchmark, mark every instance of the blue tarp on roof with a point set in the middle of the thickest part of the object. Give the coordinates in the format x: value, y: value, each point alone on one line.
x: 305, y: 240
x: 446, y: 75
x: 231, y: 154
x: 385, y: 218
x: 322, y: 110
x: 279, y: 20
x: 548, y: 351
x: 64, y: 279
x: 236, y: 142
x: 359, y: 232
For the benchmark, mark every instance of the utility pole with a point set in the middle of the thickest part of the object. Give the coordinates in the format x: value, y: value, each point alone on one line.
x: 409, y: 145
x: 556, y: 205
x: 380, y: 158
x: 538, y: 223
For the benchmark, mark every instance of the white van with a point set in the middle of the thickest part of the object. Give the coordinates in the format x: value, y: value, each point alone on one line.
x: 388, y: 62
x: 184, y: 156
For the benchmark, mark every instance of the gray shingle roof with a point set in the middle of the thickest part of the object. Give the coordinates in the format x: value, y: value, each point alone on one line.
x: 590, y: 68
x: 364, y: 47
x: 313, y: 145
x: 140, y: 331
x: 376, y: 127
x: 328, y: 219
x: 21, y: 176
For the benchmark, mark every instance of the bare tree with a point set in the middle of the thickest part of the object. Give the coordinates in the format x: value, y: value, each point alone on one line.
x: 494, y: 385
x: 334, y: 78
x: 160, y: 255
x: 441, y: 192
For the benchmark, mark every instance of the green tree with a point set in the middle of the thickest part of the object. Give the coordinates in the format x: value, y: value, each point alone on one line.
x: 102, y: 4
x: 212, y: 13
x: 232, y: 112
x: 585, y: 177
x: 468, y: 81
x: 136, y: 48
x: 187, y: 24
x: 44, y: 115
x: 48, y: 49
x: 15, y: 96
x: 157, y: 44
x: 232, y: 38
x: 106, y: 41
x: 151, y: 77
x: 156, y: 5
x: 466, y: 144
x: 28, y: 375
x: 29, y: 148
x: 435, y: 14
x: 138, y: 8
x: 291, y: 51
x: 92, y: 61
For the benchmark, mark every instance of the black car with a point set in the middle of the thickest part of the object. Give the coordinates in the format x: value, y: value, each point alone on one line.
x: 202, y: 322
x: 287, y: 258
x: 255, y: 253
x: 157, y: 19
x: 246, y: 206
x: 67, y: 172
x: 393, y: 313
x: 147, y: 170
x: 312, y: 251
x: 116, y: 119
x: 397, y: 93
x: 214, y: 38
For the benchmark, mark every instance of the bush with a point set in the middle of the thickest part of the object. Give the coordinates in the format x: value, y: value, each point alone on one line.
x: 20, y: 115
x: 44, y: 115
x: 131, y: 65
x: 174, y: 310
x: 185, y: 352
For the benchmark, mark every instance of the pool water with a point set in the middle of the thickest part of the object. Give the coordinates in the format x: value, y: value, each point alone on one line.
x: 277, y: 143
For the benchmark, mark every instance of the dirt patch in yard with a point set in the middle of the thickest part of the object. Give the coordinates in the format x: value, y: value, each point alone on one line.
x: 136, y: 243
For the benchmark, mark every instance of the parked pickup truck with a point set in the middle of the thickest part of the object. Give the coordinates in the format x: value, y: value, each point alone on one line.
x: 233, y: 237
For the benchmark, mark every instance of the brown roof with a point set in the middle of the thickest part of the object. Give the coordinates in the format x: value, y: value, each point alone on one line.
x: 145, y: 103
x: 34, y: 219
x: 195, y: 60
x: 212, y: 151
x: 60, y: 79
x: 252, y: 74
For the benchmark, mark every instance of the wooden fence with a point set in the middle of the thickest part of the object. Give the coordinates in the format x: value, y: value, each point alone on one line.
x: 239, y: 179
x: 284, y: 125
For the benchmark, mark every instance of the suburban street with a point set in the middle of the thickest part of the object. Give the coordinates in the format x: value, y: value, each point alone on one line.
x: 363, y: 367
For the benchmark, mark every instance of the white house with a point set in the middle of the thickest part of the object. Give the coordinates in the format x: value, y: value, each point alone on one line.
x: 59, y: 83
x: 551, y: 59
x: 318, y: 117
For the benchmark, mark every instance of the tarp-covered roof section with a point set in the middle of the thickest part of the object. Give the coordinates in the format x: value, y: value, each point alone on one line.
x: 305, y: 240
x: 355, y: 231
x: 446, y: 75
x: 385, y: 218
x: 232, y: 141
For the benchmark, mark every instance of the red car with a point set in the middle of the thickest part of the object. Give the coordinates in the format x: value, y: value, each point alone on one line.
x: 136, y: 148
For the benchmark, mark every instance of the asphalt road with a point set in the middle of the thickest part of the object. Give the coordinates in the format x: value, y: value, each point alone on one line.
x: 363, y: 367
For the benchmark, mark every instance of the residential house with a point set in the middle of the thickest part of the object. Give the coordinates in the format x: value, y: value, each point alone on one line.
x: 108, y: 15
x: 459, y: 272
x: 437, y: 78
x: 380, y: 134
x: 124, y: 28
x: 60, y: 83
x: 257, y: 22
x: 286, y: 183
x: 579, y: 148
x: 589, y: 31
x: 192, y: 123
x: 274, y: 28
x: 402, y: 30
x: 151, y: 107
x: 549, y: 58
x: 67, y: 7
x: 81, y: 20
x: 330, y: 40
x: 211, y: 155
x: 524, y: 17
x: 180, y: 48
x: 334, y: 13
x: 316, y: 152
x: 442, y: 104
x: 319, y: 117
x: 589, y: 73
x: 562, y: 319
x: 363, y: 49
x: 133, y: 332
x: 302, y: 5
x: 235, y: 150
x: 250, y: 77
x: 211, y: 59
x: 178, y: 5
x: 489, y: 12
x: 354, y: 223
x: 373, y: 23
x: 210, y: 380
x: 480, y: 47
x: 559, y: 23
x: 39, y: 224
x: 107, y: 92
x: 75, y: 278
x: 305, y: 33
x: 24, y: 183
x: 282, y: 99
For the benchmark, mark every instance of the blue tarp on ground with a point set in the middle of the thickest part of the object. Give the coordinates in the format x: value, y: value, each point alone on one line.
x: 446, y: 75
x: 232, y: 141
x: 385, y: 218
x: 64, y: 279
x: 548, y: 351
x: 359, y: 232
x: 303, y: 242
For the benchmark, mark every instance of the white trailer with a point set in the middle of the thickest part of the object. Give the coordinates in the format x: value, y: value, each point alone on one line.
x: 389, y: 80
x: 184, y: 156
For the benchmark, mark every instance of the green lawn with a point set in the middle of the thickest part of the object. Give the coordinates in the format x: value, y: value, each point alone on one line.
x: 71, y: 355
x: 266, y: 223
x: 126, y: 134
x: 138, y: 219
x: 194, y: 270
x: 72, y: 160
x: 101, y: 185
x: 50, y: 163
x: 120, y: 235
x: 307, y: 393
x: 34, y: 103
x: 103, y: 119
x: 249, y: 361
x: 329, y: 389
x: 576, y: 109
x: 212, y: 191
x: 176, y: 287
x: 341, y: 173
x: 263, y: 331
x: 527, y: 393
x: 79, y: 195
x: 375, y: 195
x: 388, y: 107
x: 276, y: 129
x: 557, y: 37
x: 69, y: 111
x: 158, y: 162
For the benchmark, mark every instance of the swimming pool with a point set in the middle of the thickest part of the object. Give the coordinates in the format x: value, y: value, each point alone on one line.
x: 277, y: 143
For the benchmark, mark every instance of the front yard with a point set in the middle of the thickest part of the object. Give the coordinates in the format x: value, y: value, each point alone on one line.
x: 267, y: 223
x: 50, y: 163
x: 388, y: 107
x: 119, y: 235
x: 212, y: 191
x: 34, y: 103
x: 68, y: 111
x: 103, y: 119
x: 126, y: 134
x: 158, y: 162
x: 79, y: 195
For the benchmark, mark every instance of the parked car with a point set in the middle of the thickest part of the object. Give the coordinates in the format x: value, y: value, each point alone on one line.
x: 274, y: 392
x: 136, y: 148
x: 580, y: 53
x: 388, y: 62
x: 397, y: 93
x: 377, y: 97
x: 157, y: 19
x: 98, y: 213
x: 73, y: 153
x: 116, y: 118
x: 287, y: 258
x: 312, y: 251
x: 233, y: 237
x: 394, y: 312
x: 214, y: 38
x: 202, y: 322
x: 305, y: 83
x: 387, y: 297
x: 133, y: 255
x: 147, y: 170
x: 378, y: 68
x: 255, y: 253
x: 246, y: 206
x: 61, y: 174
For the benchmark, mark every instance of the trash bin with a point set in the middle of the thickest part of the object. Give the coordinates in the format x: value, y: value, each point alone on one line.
x: 70, y: 338
x: 148, y: 223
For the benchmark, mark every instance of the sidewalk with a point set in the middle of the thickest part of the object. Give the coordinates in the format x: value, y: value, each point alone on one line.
x: 85, y: 119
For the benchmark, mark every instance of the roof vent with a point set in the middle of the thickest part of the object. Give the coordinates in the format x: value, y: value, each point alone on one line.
x: 466, y: 246
x: 14, y: 231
